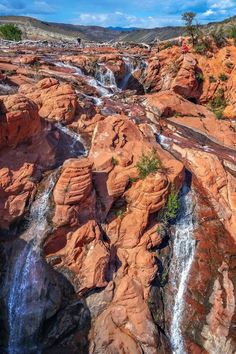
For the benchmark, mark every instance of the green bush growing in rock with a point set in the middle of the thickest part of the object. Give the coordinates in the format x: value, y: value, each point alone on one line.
x: 200, y: 77
x: 147, y: 164
x: 212, y: 79
x: 166, y: 45
x: 218, y: 104
x: 200, y: 48
x: 223, y: 77
x: 171, y: 207
x: 10, y: 32
x: 120, y: 213
x: 114, y: 161
x: 36, y: 66
x: 233, y: 34
x: 219, y: 37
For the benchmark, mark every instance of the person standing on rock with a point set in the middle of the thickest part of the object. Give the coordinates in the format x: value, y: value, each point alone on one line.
x: 185, y: 48
x: 79, y: 41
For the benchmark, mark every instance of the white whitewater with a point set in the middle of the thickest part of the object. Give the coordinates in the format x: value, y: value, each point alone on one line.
x: 76, y: 138
x: 106, y: 77
x: 102, y: 90
x: 77, y: 71
x: 183, y: 255
x: 27, y: 281
x: 129, y: 70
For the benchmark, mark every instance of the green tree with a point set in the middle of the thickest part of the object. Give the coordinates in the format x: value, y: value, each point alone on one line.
x: 191, y: 27
x: 10, y: 32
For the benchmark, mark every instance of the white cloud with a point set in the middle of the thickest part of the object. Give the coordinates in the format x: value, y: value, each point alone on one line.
x: 209, y: 12
x: 223, y: 5
x: 121, y: 19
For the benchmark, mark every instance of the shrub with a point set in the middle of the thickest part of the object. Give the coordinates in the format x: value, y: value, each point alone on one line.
x: 36, y: 65
x: 114, y: 161
x: 166, y: 45
x: 219, y: 38
x: 200, y: 48
x: 212, y: 79
x: 10, y: 32
x: 218, y: 104
x: 171, y: 207
x: 120, y: 213
x: 10, y: 72
x: 200, y: 77
x: 148, y: 163
x: 223, y: 77
x: 219, y: 113
x: 233, y: 34
x: 133, y: 179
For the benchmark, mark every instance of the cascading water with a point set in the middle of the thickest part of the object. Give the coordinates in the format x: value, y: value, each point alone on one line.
x: 27, y: 290
x: 106, y: 77
x: 77, y: 71
x: 76, y: 138
x: 129, y: 69
x: 183, y: 255
x: 103, y: 91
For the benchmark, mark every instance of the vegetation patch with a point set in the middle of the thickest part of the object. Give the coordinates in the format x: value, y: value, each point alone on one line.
x: 200, y: 48
x: 36, y: 65
x: 212, y: 79
x: 219, y: 38
x: 120, y: 213
x: 133, y: 179
x: 166, y: 45
x: 200, y: 77
x: 233, y: 34
x: 223, y: 77
x: 218, y: 104
x: 114, y: 161
x: 172, y: 206
x: 10, y: 32
x: 148, y: 163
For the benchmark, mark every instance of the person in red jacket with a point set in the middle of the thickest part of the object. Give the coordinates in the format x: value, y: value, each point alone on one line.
x: 185, y: 48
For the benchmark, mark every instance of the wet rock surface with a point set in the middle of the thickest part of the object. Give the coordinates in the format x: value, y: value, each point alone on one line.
x: 117, y: 200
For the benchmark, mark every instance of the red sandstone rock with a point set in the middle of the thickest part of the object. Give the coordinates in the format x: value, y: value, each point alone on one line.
x: 20, y: 120
x: 56, y: 101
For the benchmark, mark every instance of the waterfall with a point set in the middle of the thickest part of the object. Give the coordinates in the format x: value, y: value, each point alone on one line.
x: 106, y: 77
x: 103, y: 91
x: 183, y: 254
x: 129, y: 69
x: 26, y: 298
x: 164, y: 141
x: 76, y: 138
x: 77, y: 71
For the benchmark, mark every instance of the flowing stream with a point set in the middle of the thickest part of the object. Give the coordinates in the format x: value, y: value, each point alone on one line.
x: 25, y: 313
x: 183, y: 255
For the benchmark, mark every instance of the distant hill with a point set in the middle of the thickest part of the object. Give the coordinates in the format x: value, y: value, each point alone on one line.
x: 149, y: 35
x: 41, y: 30
x: 165, y: 33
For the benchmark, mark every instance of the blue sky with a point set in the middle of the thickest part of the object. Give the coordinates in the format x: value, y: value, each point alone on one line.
x: 125, y: 13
